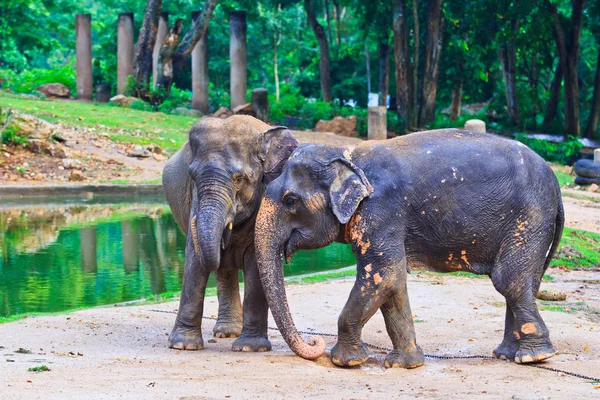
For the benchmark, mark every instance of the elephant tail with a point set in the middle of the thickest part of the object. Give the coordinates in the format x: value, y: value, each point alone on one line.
x: 558, y: 227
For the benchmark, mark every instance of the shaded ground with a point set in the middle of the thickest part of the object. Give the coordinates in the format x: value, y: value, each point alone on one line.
x: 121, y: 351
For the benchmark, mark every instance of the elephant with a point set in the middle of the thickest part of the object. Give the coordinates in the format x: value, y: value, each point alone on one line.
x: 213, y: 185
x: 445, y: 200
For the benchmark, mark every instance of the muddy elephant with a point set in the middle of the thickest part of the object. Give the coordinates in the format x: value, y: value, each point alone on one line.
x: 214, y: 185
x: 445, y: 200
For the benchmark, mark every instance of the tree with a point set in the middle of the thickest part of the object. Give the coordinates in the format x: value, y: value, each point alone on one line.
x: 507, y: 54
x: 402, y: 63
x: 324, y: 58
x: 432, y: 61
x: 567, y: 44
x: 142, y: 62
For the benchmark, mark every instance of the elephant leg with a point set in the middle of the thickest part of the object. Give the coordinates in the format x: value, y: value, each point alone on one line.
x: 256, y: 312
x: 517, y: 274
x: 510, y: 344
x: 401, y: 329
x: 229, y: 321
x: 187, y: 332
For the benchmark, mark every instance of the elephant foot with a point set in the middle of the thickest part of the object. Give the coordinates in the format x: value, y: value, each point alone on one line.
x: 405, y: 359
x: 227, y: 329
x: 250, y: 344
x: 349, y: 356
x: 534, y: 352
x: 186, y: 339
x: 506, y: 350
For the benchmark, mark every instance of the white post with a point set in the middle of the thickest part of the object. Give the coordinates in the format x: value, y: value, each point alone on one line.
x: 377, y: 123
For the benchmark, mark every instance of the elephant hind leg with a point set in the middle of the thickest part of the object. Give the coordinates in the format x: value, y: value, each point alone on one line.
x: 510, y: 343
x: 517, y: 275
x: 401, y: 329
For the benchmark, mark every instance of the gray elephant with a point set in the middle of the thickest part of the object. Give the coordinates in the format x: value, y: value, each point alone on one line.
x: 214, y: 185
x: 447, y: 200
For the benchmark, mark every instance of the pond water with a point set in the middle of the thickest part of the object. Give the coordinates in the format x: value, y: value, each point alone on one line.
x: 59, y: 256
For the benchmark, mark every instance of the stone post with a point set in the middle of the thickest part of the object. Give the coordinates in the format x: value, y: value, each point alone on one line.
x: 260, y: 104
x: 124, y: 50
x: 161, y: 35
x: 475, y: 125
x: 237, y: 57
x: 83, y: 55
x: 377, y: 123
x: 200, y: 72
x: 597, y: 156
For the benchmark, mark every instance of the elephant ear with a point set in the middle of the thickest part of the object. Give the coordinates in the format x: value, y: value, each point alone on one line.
x: 278, y: 145
x: 349, y: 187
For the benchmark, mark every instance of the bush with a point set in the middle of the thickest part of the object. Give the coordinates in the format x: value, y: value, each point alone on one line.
x: 564, y: 153
x: 177, y: 98
x: 28, y: 81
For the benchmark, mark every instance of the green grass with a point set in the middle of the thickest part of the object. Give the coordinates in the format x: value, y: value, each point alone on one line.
x: 348, y: 272
x: 121, y: 124
x: 587, y: 243
x: 39, y: 368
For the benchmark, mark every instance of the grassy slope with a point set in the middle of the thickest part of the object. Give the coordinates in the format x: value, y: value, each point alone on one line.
x: 122, y: 124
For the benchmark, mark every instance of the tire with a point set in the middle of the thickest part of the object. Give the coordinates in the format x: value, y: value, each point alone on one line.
x: 587, y: 169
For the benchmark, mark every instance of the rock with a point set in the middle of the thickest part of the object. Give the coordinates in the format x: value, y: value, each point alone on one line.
x: 76, y: 176
x: 45, y: 147
x: 244, y: 109
x: 139, y: 152
x: 155, y: 149
x: 186, y: 112
x: 122, y: 100
x: 33, y: 127
x: 551, y: 295
x: 13, y: 177
x: 39, y: 177
x: 593, y: 188
x: 338, y: 125
x: 55, y: 90
x: 159, y: 157
x: 222, y: 112
x: 475, y: 125
x: 70, y: 163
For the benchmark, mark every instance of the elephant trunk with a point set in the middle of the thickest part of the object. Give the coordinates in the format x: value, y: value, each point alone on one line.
x: 209, y: 223
x: 269, y: 245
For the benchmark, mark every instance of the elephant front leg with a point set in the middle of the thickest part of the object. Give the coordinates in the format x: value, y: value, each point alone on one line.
x: 255, y: 313
x: 187, y: 332
x: 401, y: 329
x: 229, y: 320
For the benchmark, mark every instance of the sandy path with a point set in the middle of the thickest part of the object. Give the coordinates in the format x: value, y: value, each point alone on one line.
x: 124, y: 351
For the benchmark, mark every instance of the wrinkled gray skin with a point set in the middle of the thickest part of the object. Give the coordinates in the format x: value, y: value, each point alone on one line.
x: 446, y: 200
x: 214, y: 183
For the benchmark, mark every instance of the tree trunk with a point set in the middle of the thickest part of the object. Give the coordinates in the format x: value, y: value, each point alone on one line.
x: 324, y: 50
x: 508, y: 61
x: 568, y: 51
x: 368, y: 65
x: 276, y: 41
x: 328, y: 17
x: 142, y: 62
x: 592, y: 125
x: 338, y: 37
x: 401, y: 59
x: 173, y: 53
x: 433, y: 50
x: 414, y: 121
x: 552, y: 106
x: 384, y: 71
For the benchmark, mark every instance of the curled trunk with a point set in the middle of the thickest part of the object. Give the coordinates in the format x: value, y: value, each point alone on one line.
x: 270, y: 266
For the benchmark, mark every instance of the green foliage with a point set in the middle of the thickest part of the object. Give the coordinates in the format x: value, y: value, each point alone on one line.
x: 27, y: 81
x: 563, y: 153
x: 39, y: 368
x: 10, y: 135
x: 586, y: 243
x: 176, y: 98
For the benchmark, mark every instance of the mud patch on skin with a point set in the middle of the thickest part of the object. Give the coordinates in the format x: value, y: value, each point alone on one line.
x: 316, y: 203
x: 528, y: 328
x: 517, y: 336
x: 354, y: 234
x: 368, y: 268
x: 377, y: 278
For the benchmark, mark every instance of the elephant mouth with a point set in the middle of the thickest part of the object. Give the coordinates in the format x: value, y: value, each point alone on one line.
x: 291, y: 246
x: 226, y: 236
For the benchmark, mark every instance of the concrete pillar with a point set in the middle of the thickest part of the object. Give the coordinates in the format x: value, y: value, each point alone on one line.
x: 161, y: 35
x: 377, y: 123
x: 200, y: 72
x: 237, y: 57
x: 83, y: 55
x: 597, y: 156
x: 475, y: 125
x: 124, y: 50
x: 260, y: 104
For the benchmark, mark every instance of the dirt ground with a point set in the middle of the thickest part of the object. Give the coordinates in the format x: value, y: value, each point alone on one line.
x: 121, y: 352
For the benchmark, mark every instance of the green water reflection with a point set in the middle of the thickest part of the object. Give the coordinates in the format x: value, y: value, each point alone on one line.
x: 64, y: 256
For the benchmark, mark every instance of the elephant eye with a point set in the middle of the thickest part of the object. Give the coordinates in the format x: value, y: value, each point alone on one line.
x: 238, y: 179
x: 290, y: 201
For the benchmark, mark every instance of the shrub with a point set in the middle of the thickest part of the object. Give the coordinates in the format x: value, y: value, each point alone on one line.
x: 177, y: 98
x: 28, y: 81
x: 564, y: 153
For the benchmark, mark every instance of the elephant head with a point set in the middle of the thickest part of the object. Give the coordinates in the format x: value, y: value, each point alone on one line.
x: 306, y: 207
x: 228, y: 164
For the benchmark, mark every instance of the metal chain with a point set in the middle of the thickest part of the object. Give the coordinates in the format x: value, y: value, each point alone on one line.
x: 432, y: 356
